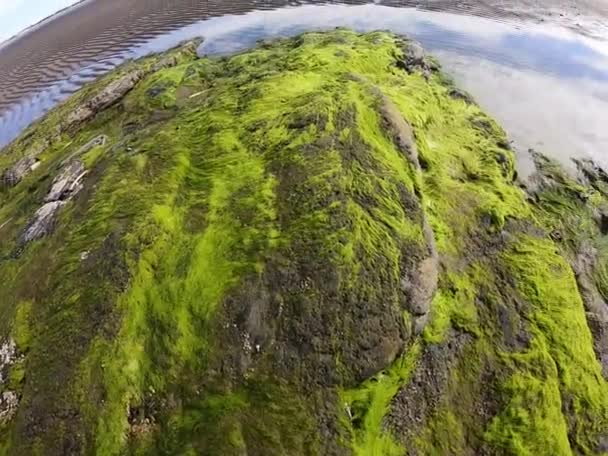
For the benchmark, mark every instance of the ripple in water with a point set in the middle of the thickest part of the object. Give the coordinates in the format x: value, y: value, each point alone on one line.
x: 546, y: 85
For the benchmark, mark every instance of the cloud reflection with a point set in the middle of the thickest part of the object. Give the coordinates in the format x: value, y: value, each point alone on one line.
x: 547, y: 86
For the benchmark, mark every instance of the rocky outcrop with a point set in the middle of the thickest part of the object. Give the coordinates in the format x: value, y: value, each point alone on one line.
x: 348, y: 268
x: 43, y: 222
x: 415, y: 58
x: 68, y: 183
x: 64, y: 187
x: 108, y: 96
x: 9, y: 400
x: 17, y: 172
x: 98, y: 141
x: 419, y: 400
x: 117, y: 89
x: 8, y: 356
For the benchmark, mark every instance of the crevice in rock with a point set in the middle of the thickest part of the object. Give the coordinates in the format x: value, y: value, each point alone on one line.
x: 420, y: 284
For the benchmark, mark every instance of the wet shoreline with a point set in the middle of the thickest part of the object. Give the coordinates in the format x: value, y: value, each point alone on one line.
x: 95, y: 30
x: 535, y: 78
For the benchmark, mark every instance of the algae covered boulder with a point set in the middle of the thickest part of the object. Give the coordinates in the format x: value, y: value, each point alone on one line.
x: 317, y: 247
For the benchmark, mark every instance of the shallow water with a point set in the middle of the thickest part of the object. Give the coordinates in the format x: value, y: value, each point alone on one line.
x: 547, y: 85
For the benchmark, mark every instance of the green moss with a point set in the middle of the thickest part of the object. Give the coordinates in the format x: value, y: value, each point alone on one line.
x: 237, y: 255
x: 559, y: 365
x: 454, y: 306
x: 16, y: 377
x: 22, y: 333
x: 367, y: 405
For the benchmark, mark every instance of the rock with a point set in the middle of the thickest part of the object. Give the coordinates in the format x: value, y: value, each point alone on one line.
x: 415, y: 59
x: 8, y: 356
x: 115, y: 90
x: 97, y: 141
x: 459, y: 94
x: 68, y: 183
x: 420, y: 397
x: 601, y: 219
x: 381, y: 355
x: 111, y: 94
x: 399, y: 128
x: 156, y: 91
x: 414, y: 54
x: 420, y: 284
x: 166, y: 62
x: 22, y: 168
x: 77, y: 117
x: 590, y: 172
x: 421, y: 288
x: 43, y: 222
x: 65, y: 186
x: 420, y: 323
x: 9, y: 402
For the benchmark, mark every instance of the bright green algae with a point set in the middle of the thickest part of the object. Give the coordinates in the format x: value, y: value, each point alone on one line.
x: 229, y: 279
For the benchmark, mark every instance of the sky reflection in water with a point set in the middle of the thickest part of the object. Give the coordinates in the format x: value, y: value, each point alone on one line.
x: 547, y: 86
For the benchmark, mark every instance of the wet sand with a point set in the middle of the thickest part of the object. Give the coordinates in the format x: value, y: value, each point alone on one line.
x: 96, y: 29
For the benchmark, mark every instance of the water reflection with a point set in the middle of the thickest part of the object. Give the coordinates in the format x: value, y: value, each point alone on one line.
x: 546, y: 85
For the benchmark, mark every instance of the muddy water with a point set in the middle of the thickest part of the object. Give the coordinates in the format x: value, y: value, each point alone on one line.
x: 547, y: 84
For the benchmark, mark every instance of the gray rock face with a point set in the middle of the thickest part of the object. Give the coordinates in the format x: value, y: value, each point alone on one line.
x: 8, y: 356
x: 421, y: 288
x: 43, y: 222
x: 68, y: 183
x: 22, y: 168
x: 9, y: 400
x: 65, y: 186
x: 115, y: 90
x: 111, y: 94
x: 590, y: 172
x: 415, y: 59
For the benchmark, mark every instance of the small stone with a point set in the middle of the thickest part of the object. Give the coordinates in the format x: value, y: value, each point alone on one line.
x: 420, y: 323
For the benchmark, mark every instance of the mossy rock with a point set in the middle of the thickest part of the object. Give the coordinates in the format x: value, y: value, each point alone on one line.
x: 245, y: 266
